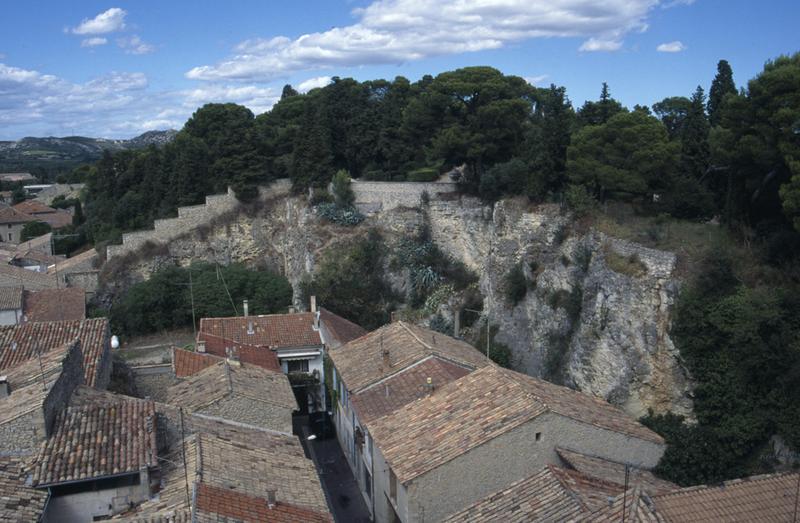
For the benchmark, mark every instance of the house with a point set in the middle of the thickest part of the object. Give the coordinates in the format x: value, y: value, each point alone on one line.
x: 381, y: 372
x: 34, y: 260
x: 262, y: 476
x: 12, y: 222
x: 13, y: 276
x: 55, y: 218
x: 237, y: 392
x: 22, y: 343
x: 18, y: 501
x: 98, y: 460
x: 294, y: 343
x: 10, y: 305
x: 53, y: 305
x: 33, y: 392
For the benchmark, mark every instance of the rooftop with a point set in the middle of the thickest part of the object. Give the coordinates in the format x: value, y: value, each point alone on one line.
x: 272, y: 330
x: 553, y: 494
x: 12, y: 276
x: 9, y: 215
x: 70, y: 263
x: 94, y: 441
x: 19, y: 343
x: 18, y: 502
x: 55, y: 304
x: 771, y: 497
x: 615, y: 472
x: 33, y: 207
x: 10, y: 298
x: 338, y: 329
x: 187, y: 362
x: 481, y: 406
x: 392, y: 348
x: 261, y: 356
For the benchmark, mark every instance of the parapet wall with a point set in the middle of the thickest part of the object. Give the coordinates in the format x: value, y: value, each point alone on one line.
x: 374, y: 197
x: 190, y: 218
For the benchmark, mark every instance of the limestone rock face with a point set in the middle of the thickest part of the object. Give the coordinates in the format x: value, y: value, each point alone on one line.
x: 596, y: 315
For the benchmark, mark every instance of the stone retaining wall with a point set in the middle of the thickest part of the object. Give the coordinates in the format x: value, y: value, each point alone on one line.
x: 372, y: 197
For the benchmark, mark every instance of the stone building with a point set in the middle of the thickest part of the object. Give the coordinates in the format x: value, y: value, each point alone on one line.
x: 10, y: 305
x: 238, y: 392
x: 18, y: 501
x: 98, y: 460
x: 20, y: 343
x: 12, y: 222
x: 55, y: 218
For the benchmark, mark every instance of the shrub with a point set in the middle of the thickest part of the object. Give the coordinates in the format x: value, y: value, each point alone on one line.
x: 342, y: 192
x: 516, y: 285
x: 579, y: 200
x: 439, y: 324
x: 320, y: 196
x: 424, y: 174
x: 498, y: 352
x: 34, y: 230
x: 340, y: 215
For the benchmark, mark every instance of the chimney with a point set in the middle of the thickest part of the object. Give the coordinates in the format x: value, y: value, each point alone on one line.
x: 291, y: 310
x: 456, y: 323
x: 245, y: 308
x: 429, y: 385
x: 201, y: 346
x: 4, y: 387
x: 313, y: 304
x: 271, y: 499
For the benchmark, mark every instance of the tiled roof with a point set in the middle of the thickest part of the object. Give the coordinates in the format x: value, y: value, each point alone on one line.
x: 94, y: 441
x: 18, y: 502
x: 70, y: 263
x: 35, y: 255
x: 638, y: 508
x: 615, y: 472
x: 187, y: 362
x: 41, y: 243
x: 363, y: 361
x: 33, y: 207
x: 215, y: 501
x: 10, y: 298
x: 19, y: 343
x: 221, y: 380
x: 272, y: 330
x: 553, y: 494
x: 404, y: 387
x: 261, y: 356
x: 339, y: 329
x: 767, y: 498
x: 55, y: 304
x: 12, y: 276
x: 10, y: 215
x: 477, y: 408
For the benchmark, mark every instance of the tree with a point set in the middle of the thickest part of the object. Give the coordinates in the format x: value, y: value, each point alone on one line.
x: 342, y: 191
x: 629, y: 155
x: 673, y: 112
x: 721, y: 87
x: 288, y: 91
x: 34, y: 230
x: 598, y: 113
x: 17, y: 195
x: 694, y: 137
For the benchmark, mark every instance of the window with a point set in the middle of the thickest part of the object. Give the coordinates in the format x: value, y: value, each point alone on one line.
x: 392, y: 486
x: 10, y: 237
x: 367, y: 482
x: 296, y: 366
x: 538, y: 436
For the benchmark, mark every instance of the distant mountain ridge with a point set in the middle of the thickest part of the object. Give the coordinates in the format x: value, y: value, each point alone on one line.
x: 73, y: 149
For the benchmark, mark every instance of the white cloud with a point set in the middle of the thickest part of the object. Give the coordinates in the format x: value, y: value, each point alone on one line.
x: 535, y: 80
x: 396, y: 31
x: 671, y: 47
x: 675, y: 3
x: 257, y: 99
x: 598, y: 44
x: 106, y: 22
x: 313, y: 83
x: 134, y: 45
x: 93, y: 42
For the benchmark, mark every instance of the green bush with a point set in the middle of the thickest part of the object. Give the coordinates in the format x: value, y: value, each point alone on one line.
x: 516, y: 285
x: 340, y: 215
x: 342, y: 192
x: 498, y: 352
x: 579, y: 200
x: 34, y: 230
x: 424, y: 174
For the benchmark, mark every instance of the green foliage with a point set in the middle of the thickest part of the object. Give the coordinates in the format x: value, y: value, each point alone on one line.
x: 694, y: 138
x: 34, y: 230
x: 721, y: 87
x: 440, y: 324
x: 424, y: 174
x: 504, y: 178
x: 579, y: 200
x: 516, y: 285
x: 342, y: 192
x: 340, y: 215
x: 498, y: 352
x: 628, y: 265
x: 601, y: 111
x: 165, y: 300
x: 673, y: 112
x: 350, y: 281
x: 17, y: 195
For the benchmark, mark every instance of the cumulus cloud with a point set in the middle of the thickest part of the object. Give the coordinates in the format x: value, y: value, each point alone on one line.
x: 106, y: 22
x: 313, y: 83
x: 257, y: 99
x: 135, y: 45
x: 93, y: 42
x: 397, y: 31
x: 671, y: 47
x: 536, y: 80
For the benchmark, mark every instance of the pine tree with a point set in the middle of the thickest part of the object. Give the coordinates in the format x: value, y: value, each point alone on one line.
x: 694, y: 137
x: 721, y: 86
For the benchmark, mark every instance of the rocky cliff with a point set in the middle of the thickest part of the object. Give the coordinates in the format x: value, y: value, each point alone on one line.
x: 596, y: 314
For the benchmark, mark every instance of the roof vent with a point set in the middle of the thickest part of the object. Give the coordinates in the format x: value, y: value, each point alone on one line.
x: 271, y: 499
x: 201, y: 345
x: 4, y: 387
x: 250, y: 330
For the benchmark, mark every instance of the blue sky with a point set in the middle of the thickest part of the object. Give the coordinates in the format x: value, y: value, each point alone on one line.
x: 116, y: 69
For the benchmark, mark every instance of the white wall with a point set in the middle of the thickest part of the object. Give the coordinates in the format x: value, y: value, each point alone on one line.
x: 84, y: 506
x: 10, y: 316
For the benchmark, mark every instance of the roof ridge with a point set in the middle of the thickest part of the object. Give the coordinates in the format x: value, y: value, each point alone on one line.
x: 403, y: 324
x: 566, y: 490
x: 729, y: 483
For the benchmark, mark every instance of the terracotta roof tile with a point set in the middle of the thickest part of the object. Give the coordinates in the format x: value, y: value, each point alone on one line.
x: 94, y: 441
x: 10, y: 298
x: 477, y: 408
x: 19, y: 343
x: 261, y: 356
x: 615, y: 472
x: 553, y: 494
x: 637, y: 506
x: 18, y: 502
x: 187, y: 362
x: 70, y: 263
x: 55, y: 304
x: 340, y: 330
x: 404, y: 387
x: 13, y: 276
x: 272, y: 330
x: 767, y: 498
x: 394, y: 347
x: 33, y: 207
x: 217, y: 501
x: 10, y: 215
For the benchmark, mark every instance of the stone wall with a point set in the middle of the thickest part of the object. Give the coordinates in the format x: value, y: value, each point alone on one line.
x: 251, y: 412
x: 71, y: 376
x: 190, y: 218
x: 372, y: 197
x: 23, y: 434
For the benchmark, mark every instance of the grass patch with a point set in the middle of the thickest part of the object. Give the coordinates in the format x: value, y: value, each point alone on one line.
x: 628, y: 265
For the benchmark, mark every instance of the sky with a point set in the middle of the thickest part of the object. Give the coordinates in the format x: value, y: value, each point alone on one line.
x: 116, y: 69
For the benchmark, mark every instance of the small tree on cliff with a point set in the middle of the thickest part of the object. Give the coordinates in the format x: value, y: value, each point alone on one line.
x: 342, y: 191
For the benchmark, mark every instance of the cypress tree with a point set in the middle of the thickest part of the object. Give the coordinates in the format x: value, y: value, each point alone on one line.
x: 721, y: 86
